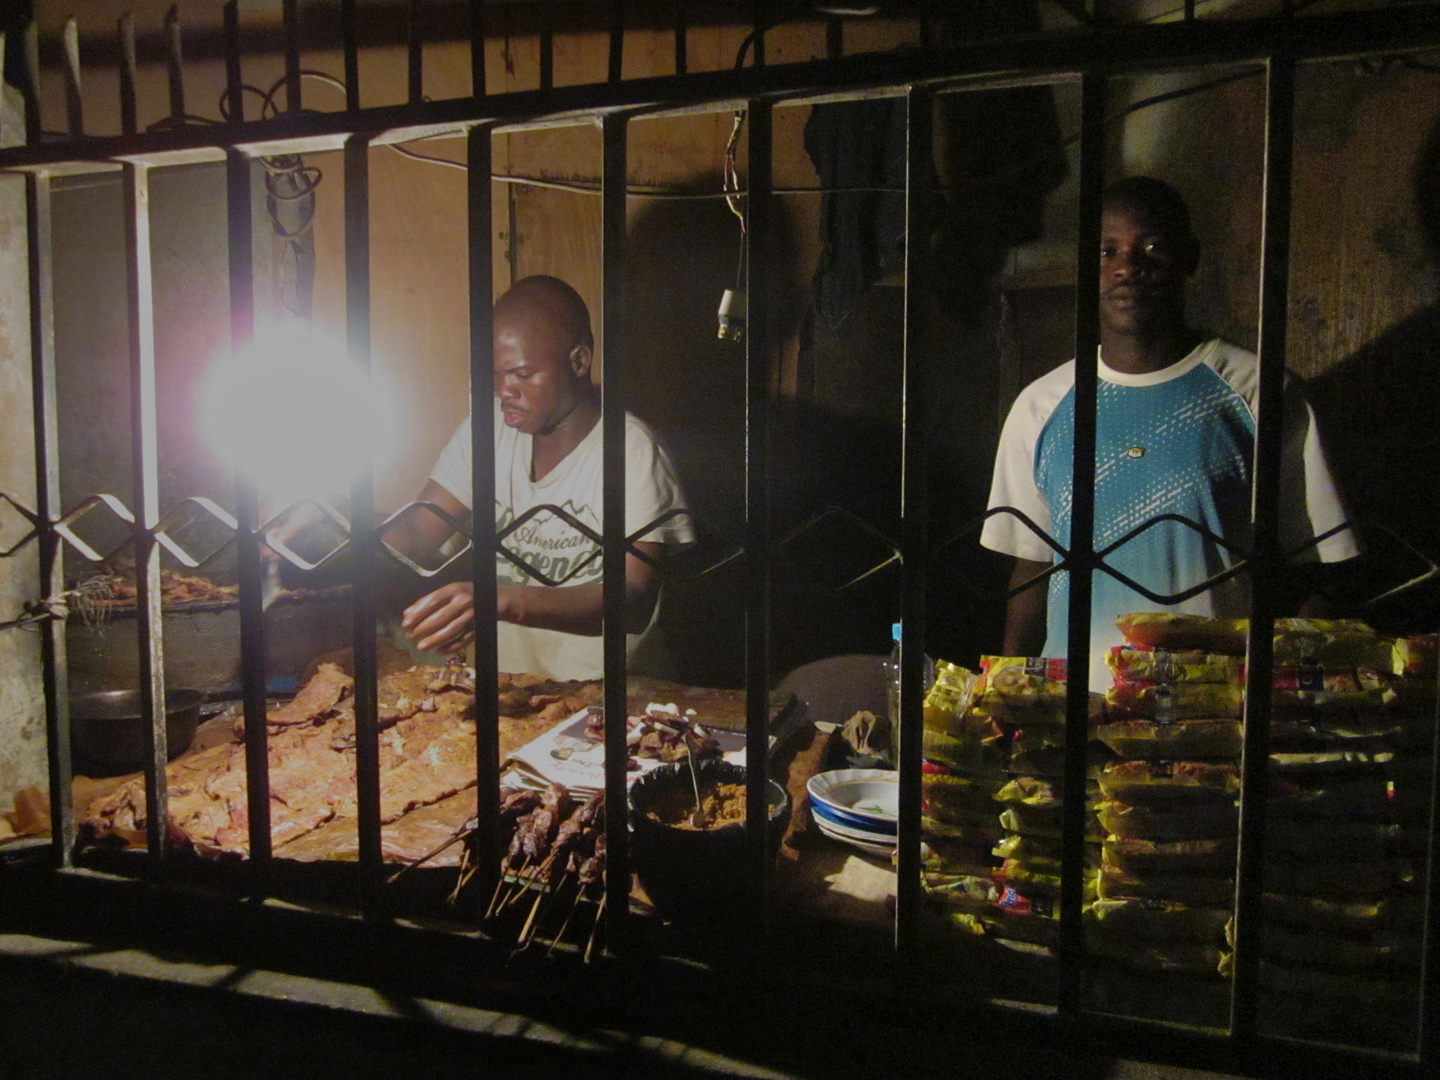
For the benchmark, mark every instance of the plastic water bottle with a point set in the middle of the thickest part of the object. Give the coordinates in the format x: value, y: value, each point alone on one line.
x: 892, y: 670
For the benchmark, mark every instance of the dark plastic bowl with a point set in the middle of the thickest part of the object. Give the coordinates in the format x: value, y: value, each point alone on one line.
x: 108, y: 730
x: 696, y: 875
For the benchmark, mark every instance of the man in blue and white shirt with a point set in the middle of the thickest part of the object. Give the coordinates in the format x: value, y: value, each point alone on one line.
x: 1175, y: 435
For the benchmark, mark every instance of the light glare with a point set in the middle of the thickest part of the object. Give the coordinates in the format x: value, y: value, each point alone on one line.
x: 295, y: 414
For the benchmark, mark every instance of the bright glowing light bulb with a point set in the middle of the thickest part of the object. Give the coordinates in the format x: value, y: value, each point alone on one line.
x: 296, y: 414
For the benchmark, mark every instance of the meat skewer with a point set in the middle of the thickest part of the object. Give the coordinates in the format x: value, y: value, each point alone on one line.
x: 574, y: 840
x: 534, y: 835
x: 582, y: 854
x: 572, y: 832
x: 592, y: 870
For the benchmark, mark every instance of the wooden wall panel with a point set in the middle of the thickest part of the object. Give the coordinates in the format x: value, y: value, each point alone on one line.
x: 1358, y: 260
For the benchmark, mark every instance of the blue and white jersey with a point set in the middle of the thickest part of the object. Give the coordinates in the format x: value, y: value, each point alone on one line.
x: 1178, y: 441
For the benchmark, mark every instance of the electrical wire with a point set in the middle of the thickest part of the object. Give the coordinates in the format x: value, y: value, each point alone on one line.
x: 730, y: 180
x: 732, y: 193
x: 764, y: 28
x: 400, y: 149
x: 289, y: 182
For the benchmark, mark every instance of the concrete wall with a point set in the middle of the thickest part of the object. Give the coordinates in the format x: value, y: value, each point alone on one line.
x: 22, y: 703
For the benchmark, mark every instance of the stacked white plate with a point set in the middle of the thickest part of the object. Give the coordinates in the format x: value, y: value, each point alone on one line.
x: 859, y: 807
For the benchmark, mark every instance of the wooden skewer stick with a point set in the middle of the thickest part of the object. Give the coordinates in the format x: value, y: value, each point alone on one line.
x: 517, y: 890
x: 466, y: 870
x: 513, y: 884
x: 552, y: 890
x: 599, y: 918
x: 494, y: 897
x: 499, y: 884
x: 524, y: 937
x: 458, y: 834
x: 465, y: 876
x: 574, y: 906
x: 522, y: 882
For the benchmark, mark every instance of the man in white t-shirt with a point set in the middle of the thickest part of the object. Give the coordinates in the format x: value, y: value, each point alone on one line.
x: 1175, y: 435
x: 548, y: 454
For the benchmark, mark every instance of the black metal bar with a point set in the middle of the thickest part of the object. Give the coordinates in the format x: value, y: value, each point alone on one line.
x: 482, y: 457
x: 834, y: 37
x: 477, y: 48
x: 175, y: 65
x: 234, y: 79
x: 1134, y: 48
x: 914, y: 542
x: 612, y: 419
x: 1428, y: 1042
x: 759, y: 356
x: 1189, y: 10
x: 1082, y: 541
x: 415, y: 53
x: 362, y: 524
x: 250, y: 567
x: 757, y: 23
x: 74, y: 107
x: 291, y: 19
x: 547, y: 47
x: 617, y: 41
x: 47, y: 509
x: 682, y: 33
x: 126, y: 31
x: 146, y: 502
x: 33, y: 134
x: 350, y: 45
x: 1267, y: 560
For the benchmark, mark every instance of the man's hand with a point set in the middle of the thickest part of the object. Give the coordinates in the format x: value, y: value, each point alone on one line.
x: 443, y: 619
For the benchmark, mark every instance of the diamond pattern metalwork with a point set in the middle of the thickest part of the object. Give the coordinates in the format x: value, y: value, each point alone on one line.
x: 704, y: 560
x: 65, y: 527
x: 834, y: 550
x: 18, y: 522
x: 1429, y: 573
x: 191, y: 526
x: 1241, y: 564
x: 956, y: 569
x: 970, y: 531
x: 307, y: 534
x: 533, y: 514
x: 712, y: 550
x: 405, y: 513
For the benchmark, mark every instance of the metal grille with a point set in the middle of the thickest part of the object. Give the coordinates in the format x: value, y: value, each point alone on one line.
x: 1092, y: 54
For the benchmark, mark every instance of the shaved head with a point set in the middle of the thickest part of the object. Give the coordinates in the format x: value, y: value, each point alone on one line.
x: 1154, y: 200
x: 549, y: 308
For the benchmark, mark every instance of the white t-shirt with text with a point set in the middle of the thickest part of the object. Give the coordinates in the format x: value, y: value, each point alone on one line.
x: 556, y: 548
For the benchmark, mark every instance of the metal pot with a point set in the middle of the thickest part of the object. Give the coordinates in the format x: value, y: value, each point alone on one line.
x: 109, y: 732
x: 697, y: 875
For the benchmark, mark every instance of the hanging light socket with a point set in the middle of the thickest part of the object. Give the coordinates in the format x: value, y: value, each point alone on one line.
x: 732, y: 315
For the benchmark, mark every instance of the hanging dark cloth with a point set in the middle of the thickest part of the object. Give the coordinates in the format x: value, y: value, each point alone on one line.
x: 858, y: 149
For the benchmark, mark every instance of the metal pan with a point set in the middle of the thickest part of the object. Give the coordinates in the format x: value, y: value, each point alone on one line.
x: 202, y: 644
